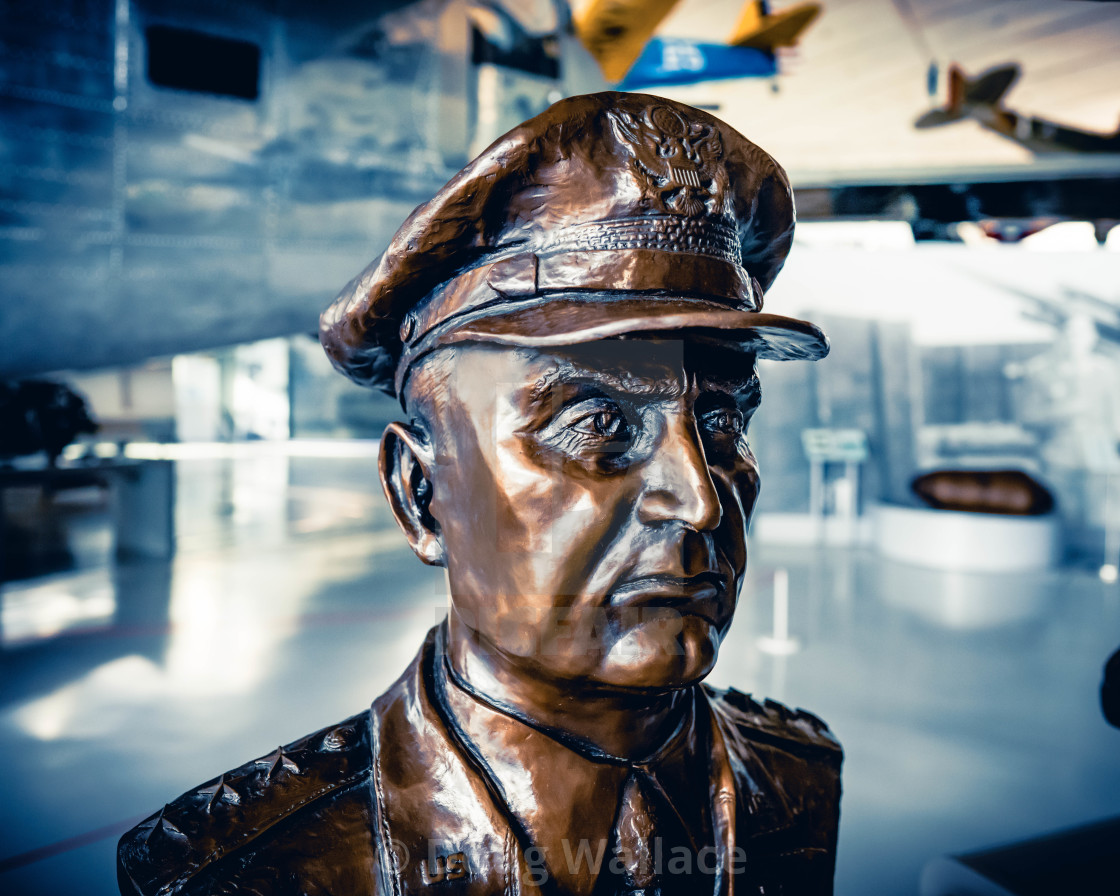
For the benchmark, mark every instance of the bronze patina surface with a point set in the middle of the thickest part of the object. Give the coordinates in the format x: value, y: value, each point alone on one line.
x: 571, y: 325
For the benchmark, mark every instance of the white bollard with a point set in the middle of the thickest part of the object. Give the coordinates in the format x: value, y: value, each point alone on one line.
x: 779, y: 642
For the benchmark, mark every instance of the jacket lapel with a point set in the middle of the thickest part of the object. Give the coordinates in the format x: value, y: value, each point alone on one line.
x: 436, y: 821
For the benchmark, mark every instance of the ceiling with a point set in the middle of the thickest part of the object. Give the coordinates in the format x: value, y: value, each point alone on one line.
x: 843, y: 107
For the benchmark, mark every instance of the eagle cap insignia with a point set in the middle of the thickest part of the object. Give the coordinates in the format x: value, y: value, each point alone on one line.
x: 679, y: 161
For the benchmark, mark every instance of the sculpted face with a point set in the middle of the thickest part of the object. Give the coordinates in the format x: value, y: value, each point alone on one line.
x: 592, y: 503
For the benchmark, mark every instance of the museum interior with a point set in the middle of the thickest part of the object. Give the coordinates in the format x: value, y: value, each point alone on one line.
x: 197, y: 562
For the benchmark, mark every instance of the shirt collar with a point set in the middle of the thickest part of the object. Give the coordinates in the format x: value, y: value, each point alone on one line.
x: 566, y: 800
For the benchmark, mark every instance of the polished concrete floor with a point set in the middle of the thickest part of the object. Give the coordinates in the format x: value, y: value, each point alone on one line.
x: 968, y: 705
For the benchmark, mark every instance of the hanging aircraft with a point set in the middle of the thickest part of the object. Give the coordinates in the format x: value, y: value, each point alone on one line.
x: 981, y: 99
x: 620, y: 35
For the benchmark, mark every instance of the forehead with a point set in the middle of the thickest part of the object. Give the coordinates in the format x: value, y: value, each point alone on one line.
x: 625, y: 365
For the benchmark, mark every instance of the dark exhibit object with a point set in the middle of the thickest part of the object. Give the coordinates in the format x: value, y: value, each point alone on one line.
x: 141, y: 494
x: 1010, y: 492
x: 1110, y: 690
x: 38, y: 415
x: 185, y: 59
x: 571, y: 325
x: 1079, y: 860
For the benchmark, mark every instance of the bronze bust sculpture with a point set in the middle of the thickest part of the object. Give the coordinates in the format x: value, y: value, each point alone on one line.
x: 571, y: 325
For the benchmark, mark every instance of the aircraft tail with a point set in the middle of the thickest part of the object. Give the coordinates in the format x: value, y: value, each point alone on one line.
x: 760, y: 29
x: 750, y: 19
x: 958, y: 87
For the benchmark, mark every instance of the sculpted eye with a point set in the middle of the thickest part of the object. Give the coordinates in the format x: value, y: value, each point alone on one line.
x: 724, y: 421
x: 594, y: 429
x: 604, y: 424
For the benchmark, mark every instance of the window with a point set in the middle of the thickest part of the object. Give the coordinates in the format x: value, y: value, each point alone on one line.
x: 191, y: 60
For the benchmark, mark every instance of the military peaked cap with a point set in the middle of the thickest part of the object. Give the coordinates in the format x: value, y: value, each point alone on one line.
x: 606, y: 215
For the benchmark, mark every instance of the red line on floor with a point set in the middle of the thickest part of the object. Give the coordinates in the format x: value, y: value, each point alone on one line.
x: 70, y: 843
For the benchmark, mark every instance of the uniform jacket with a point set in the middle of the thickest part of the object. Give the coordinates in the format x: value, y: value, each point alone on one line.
x: 392, y: 801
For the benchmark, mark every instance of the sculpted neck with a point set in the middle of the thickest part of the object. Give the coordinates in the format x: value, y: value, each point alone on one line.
x: 631, y: 725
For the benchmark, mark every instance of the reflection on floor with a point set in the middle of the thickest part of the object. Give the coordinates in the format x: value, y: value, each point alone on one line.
x: 967, y: 704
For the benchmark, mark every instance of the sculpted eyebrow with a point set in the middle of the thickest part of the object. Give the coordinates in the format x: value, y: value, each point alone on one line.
x: 543, y: 387
x: 732, y: 384
x: 746, y: 390
x: 571, y: 374
x: 567, y: 374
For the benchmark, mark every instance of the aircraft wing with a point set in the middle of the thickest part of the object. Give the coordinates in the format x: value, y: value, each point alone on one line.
x: 990, y: 87
x: 616, y: 31
x: 937, y: 117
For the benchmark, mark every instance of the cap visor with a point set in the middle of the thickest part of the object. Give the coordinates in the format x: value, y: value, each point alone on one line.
x: 558, y: 320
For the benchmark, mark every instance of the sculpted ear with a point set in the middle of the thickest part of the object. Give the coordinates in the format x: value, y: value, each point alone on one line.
x: 405, y: 464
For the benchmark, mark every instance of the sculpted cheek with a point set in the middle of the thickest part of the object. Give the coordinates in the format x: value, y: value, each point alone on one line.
x: 543, y: 506
x: 577, y: 514
x: 747, y: 484
x: 524, y: 518
x: 526, y: 496
x: 567, y: 519
x: 738, y: 490
x: 746, y: 476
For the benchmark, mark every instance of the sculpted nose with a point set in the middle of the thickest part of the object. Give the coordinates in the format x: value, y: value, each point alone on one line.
x: 678, y: 485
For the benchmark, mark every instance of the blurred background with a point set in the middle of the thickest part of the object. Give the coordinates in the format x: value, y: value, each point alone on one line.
x: 196, y: 563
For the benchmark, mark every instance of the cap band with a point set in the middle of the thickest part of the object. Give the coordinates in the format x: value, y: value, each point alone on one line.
x: 708, y: 235
x: 618, y: 270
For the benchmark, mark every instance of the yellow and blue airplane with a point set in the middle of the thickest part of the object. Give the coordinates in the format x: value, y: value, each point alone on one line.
x: 620, y: 35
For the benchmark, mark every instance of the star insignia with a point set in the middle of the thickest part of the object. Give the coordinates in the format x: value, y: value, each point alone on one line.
x: 219, y: 792
x: 160, y: 828
x: 279, y: 762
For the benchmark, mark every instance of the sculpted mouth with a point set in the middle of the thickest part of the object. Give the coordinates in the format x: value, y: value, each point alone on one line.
x: 701, y: 594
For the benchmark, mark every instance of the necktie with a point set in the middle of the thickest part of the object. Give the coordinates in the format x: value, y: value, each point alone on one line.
x: 635, y: 833
x: 648, y: 833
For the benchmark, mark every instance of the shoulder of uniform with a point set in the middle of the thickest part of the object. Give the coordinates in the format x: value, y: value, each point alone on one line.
x: 203, y: 826
x: 776, y: 724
